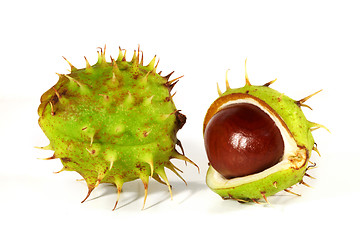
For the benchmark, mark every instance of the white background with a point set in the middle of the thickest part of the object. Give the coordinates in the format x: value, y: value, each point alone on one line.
x: 307, y: 46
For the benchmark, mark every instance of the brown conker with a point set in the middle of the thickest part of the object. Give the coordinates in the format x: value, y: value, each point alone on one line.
x: 241, y: 139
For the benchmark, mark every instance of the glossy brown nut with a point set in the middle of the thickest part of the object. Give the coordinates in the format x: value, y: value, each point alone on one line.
x: 241, y: 139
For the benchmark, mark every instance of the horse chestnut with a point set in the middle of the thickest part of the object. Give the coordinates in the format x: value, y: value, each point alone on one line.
x: 258, y: 142
x: 241, y: 139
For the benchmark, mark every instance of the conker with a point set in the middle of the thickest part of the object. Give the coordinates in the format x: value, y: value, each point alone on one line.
x: 241, y: 139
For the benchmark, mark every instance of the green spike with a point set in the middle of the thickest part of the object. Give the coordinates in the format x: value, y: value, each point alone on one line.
x: 111, y: 156
x: 101, y: 56
x: 315, y: 126
x: 84, y: 89
x: 134, y: 69
x: 120, y: 56
x: 88, y: 66
x: 247, y: 82
x: 118, y: 183
x: 177, y: 155
x: 135, y: 58
x: 71, y: 66
x: 162, y: 174
x: 152, y: 63
x: 48, y: 147
x: 145, y: 180
x: 144, y: 80
x: 148, y: 158
x: 147, y: 101
x: 129, y: 99
x: 175, y: 170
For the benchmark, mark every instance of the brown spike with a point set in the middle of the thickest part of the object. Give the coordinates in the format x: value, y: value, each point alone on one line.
x: 172, y: 85
x: 303, y: 105
x: 181, y: 119
x: 61, y: 170
x: 308, y: 175
x: 90, y: 189
x: 180, y: 145
x: 265, y: 198
x: 138, y: 53
x: 49, y: 158
x: 142, y: 59
x: 311, y: 166
x: 175, y: 80
x: 57, y: 93
x: 304, y: 183
x: 157, y: 63
x: 299, y: 102
x: 287, y: 190
x: 124, y: 58
x: 269, y: 83
x: 316, y: 149
x: 167, y: 77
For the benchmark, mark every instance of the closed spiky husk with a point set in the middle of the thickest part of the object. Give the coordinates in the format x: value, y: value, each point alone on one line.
x: 113, y: 122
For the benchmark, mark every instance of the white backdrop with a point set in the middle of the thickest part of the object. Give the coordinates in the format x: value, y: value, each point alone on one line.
x: 307, y: 46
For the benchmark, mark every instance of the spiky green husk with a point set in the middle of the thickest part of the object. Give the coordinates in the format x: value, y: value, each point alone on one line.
x: 113, y: 122
x: 283, y: 175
